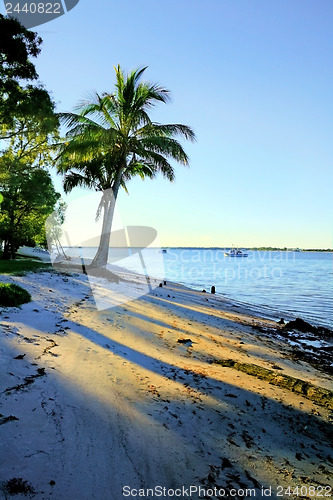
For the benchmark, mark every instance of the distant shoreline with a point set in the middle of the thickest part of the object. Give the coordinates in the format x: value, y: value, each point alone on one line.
x: 254, y: 249
x: 259, y: 249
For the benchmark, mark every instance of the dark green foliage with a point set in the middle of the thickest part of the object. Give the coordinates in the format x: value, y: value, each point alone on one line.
x: 28, y: 126
x: 22, y: 266
x: 20, y: 100
x: 29, y: 197
x: 13, y: 295
x: 17, y: 46
x: 25, y: 108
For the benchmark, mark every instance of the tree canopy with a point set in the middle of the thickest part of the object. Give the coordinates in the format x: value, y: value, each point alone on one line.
x: 28, y: 127
x: 20, y: 96
x: 28, y: 198
x: 17, y: 44
x: 26, y: 186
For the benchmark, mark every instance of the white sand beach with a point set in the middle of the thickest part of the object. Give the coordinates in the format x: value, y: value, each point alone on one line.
x: 107, y: 404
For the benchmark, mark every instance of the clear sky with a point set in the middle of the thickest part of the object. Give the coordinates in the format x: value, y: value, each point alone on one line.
x: 253, y: 78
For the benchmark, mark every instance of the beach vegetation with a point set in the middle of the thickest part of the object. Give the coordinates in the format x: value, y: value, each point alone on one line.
x: 28, y: 198
x: 22, y: 265
x: 18, y: 95
x: 12, y: 295
x: 28, y: 128
x: 26, y: 188
x: 111, y: 138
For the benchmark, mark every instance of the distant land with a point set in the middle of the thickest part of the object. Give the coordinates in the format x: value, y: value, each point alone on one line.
x: 93, y: 243
x: 293, y: 249
x: 272, y: 249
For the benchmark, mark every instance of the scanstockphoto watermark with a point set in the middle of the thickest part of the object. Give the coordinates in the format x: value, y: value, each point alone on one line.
x: 204, y: 265
x: 237, y: 493
x: 211, y: 255
x: 197, y: 491
x: 222, y: 274
x: 33, y: 13
x: 133, y: 264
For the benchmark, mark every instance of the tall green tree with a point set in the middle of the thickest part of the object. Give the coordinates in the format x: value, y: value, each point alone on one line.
x: 36, y: 110
x: 112, y: 138
x: 17, y: 46
x: 29, y: 198
x: 27, y: 189
x: 31, y: 135
x: 28, y: 126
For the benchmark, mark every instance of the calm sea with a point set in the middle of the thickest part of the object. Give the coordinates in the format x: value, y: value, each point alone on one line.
x: 277, y: 284
x: 283, y: 284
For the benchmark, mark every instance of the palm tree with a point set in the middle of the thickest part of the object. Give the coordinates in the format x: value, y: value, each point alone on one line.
x: 111, y: 138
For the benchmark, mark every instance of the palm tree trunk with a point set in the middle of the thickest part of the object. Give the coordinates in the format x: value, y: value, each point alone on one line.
x: 110, y: 198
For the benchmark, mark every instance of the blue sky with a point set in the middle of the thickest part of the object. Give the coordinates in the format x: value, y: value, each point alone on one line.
x: 253, y: 78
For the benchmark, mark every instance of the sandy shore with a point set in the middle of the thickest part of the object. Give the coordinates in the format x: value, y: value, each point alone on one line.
x: 106, y: 404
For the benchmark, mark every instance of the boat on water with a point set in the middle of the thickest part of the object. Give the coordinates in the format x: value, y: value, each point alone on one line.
x: 235, y: 252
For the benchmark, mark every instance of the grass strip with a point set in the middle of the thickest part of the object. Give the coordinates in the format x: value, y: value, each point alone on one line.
x: 319, y: 395
x: 22, y: 266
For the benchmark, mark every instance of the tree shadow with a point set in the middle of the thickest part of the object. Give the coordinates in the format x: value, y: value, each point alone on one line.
x: 192, y: 376
x: 205, y: 429
x: 197, y: 417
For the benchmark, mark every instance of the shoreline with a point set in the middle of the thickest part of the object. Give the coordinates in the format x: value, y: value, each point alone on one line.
x: 93, y: 400
x: 269, y: 312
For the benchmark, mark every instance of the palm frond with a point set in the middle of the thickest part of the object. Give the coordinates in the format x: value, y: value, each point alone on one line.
x: 142, y: 169
x: 169, y: 130
x: 71, y: 120
x: 74, y: 179
x: 163, y: 146
x: 158, y: 163
x: 111, y: 136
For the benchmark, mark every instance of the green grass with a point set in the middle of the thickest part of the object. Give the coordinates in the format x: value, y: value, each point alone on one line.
x: 22, y: 265
x: 13, y: 295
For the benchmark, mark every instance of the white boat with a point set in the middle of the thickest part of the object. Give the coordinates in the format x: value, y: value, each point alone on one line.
x: 235, y: 252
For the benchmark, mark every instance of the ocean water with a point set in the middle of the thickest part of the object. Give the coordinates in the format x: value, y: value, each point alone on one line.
x: 273, y: 283
x: 280, y: 284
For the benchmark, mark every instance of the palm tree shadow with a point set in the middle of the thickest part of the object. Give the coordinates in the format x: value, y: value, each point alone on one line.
x: 106, y: 445
x: 198, y: 381
x: 206, y: 414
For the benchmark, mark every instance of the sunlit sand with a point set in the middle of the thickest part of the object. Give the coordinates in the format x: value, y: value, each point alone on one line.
x: 123, y: 403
